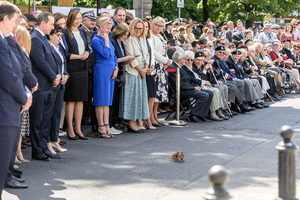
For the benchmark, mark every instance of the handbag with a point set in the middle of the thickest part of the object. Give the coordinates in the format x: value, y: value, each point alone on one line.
x: 120, y: 80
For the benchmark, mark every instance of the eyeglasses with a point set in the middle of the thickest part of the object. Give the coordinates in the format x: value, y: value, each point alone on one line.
x: 160, y: 26
x: 59, y: 35
x: 295, y: 24
x: 210, y: 45
x: 209, y: 32
x: 190, y: 60
x: 222, y: 43
x: 183, y: 58
x: 265, y: 49
x: 198, y: 60
x: 138, y: 29
x: 73, y: 9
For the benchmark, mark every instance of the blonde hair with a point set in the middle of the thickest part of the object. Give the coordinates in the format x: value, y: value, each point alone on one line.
x: 23, y: 38
x: 103, y: 21
x: 133, y: 24
x: 158, y: 19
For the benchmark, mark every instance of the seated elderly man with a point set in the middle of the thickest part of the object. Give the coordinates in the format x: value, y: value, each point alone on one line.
x: 253, y: 89
x: 189, y: 87
x: 202, y: 67
x: 222, y: 74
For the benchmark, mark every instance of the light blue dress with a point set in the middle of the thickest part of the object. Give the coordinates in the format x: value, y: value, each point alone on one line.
x: 105, y: 62
x: 134, y: 97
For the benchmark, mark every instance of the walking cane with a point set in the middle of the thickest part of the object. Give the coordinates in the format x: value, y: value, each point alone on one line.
x: 224, y: 99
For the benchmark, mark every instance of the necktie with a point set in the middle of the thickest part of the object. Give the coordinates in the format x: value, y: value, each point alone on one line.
x: 5, y: 40
x: 46, y: 39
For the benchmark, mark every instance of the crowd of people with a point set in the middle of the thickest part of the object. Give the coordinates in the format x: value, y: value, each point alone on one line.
x: 117, y: 73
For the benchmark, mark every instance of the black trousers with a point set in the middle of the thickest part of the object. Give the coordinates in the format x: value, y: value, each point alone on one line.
x: 8, y: 137
x: 40, y: 115
x: 58, y: 98
x: 114, y: 108
x: 203, y: 100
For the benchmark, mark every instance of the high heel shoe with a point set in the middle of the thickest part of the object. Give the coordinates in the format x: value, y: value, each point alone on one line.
x: 59, y: 149
x: 110, y: 135
x: 71, y: 138
x: 129, y: 129
x: 149, y: 127
x: 102, y: 135
x: 80, y: 137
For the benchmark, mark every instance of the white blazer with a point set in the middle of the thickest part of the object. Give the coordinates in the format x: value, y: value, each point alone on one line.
x: 132, y: 48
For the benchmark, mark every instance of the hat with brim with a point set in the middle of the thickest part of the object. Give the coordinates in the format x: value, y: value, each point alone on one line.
x: 236, y: 52
x: 199, y: 54
x: 286, y: 40
x: 220, y: 48
x: 90, y: 15
x: 168, y: 23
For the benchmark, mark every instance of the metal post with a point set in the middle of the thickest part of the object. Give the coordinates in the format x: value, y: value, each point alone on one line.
x: 178, y: 122
x: 218, y: 176
x: 287, y: 165
x: 33, y: 5
x: 98, y: 7
x: 179, y: 17
x: 142, y: 10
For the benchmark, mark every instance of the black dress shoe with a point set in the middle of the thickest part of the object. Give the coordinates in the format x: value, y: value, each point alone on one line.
x: 203, y: 119
x: 157, y: 125
x: 265, y: 105
x: 17, y: 173
x: 80, y: 137
x: 130, y: 130
x: 40, y: 156
x: 258, y: 106
x: 15, y: 184
x: 51, y: 155
x: 162, y: 124
x: 236, y: 108
x: 20, y: 180
x: 194, y: 118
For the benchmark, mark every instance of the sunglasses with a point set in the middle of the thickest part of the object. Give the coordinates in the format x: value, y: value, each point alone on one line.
x: 73, y: 9
x: 190, y: 60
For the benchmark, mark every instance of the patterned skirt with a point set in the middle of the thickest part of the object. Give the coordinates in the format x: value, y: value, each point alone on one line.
x: 134, y: 98
x: 25, y: 127
x: 161, y: 79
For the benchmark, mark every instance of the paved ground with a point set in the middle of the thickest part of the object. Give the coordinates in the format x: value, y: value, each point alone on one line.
x: 138, y: 166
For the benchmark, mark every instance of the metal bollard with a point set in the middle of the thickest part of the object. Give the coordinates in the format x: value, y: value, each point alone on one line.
x: 218, y: 176
x: 178, y: 122
x: 287, y: 165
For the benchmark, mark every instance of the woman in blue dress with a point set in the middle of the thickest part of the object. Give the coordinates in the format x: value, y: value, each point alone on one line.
x: 106, y: 70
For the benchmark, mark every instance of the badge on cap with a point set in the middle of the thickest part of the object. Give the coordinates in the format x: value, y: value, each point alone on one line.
x: 199, y: 54
x: 220, y: 48
x: 89, y: 15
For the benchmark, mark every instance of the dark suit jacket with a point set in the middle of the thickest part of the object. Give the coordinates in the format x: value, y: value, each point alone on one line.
x: 44, y: 66
x: 236, y: 68
x: 118, y: 51
x: 200, y: 73
x: 288, y: 53
x: 186, y: 81
x: 29, y: 79
x: 228, y: 35
x: 73, y: 49
x: 237, y: 38
x: 12, y: 88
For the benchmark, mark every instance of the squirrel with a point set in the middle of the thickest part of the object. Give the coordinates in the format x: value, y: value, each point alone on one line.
x: 179, y: 155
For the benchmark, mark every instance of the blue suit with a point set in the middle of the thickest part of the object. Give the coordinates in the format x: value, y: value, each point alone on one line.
x: 45, y: 68
x: 29, y: 80
x: 12, y: 96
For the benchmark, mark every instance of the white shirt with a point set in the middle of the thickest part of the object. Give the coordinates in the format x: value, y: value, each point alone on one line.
x: 43, y: 34
x: 1, y: 34
x: 296, y: 34
x: 56, y: 48
x: 80, y: 42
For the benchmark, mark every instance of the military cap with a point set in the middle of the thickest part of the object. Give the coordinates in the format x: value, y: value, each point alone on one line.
x: 220, y: 48
x: 199, y: 54
x: 286, y: 40
x: 89, y: 14
x: 236, y: 52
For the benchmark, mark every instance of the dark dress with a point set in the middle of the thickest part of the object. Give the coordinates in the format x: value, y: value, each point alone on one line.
x: 150, y: 79
x: 77, y: 84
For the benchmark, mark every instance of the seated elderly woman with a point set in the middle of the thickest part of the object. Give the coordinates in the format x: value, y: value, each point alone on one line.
x: 283, y: 61
x: 216, y: 105
x: 254, y: 70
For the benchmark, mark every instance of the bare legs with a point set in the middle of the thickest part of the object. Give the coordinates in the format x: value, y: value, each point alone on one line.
x: 74, y: 109
x: 102, y: 114
x: 155, y: 120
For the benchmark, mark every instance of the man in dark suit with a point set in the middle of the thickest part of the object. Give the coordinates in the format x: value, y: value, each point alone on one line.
x: 119, y: 16
x: 239, y: 35
x: 189, y: 87
x: 31, y: 82
x: 228, y: 34
x: 46, y: 70
x: 14, y: 98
